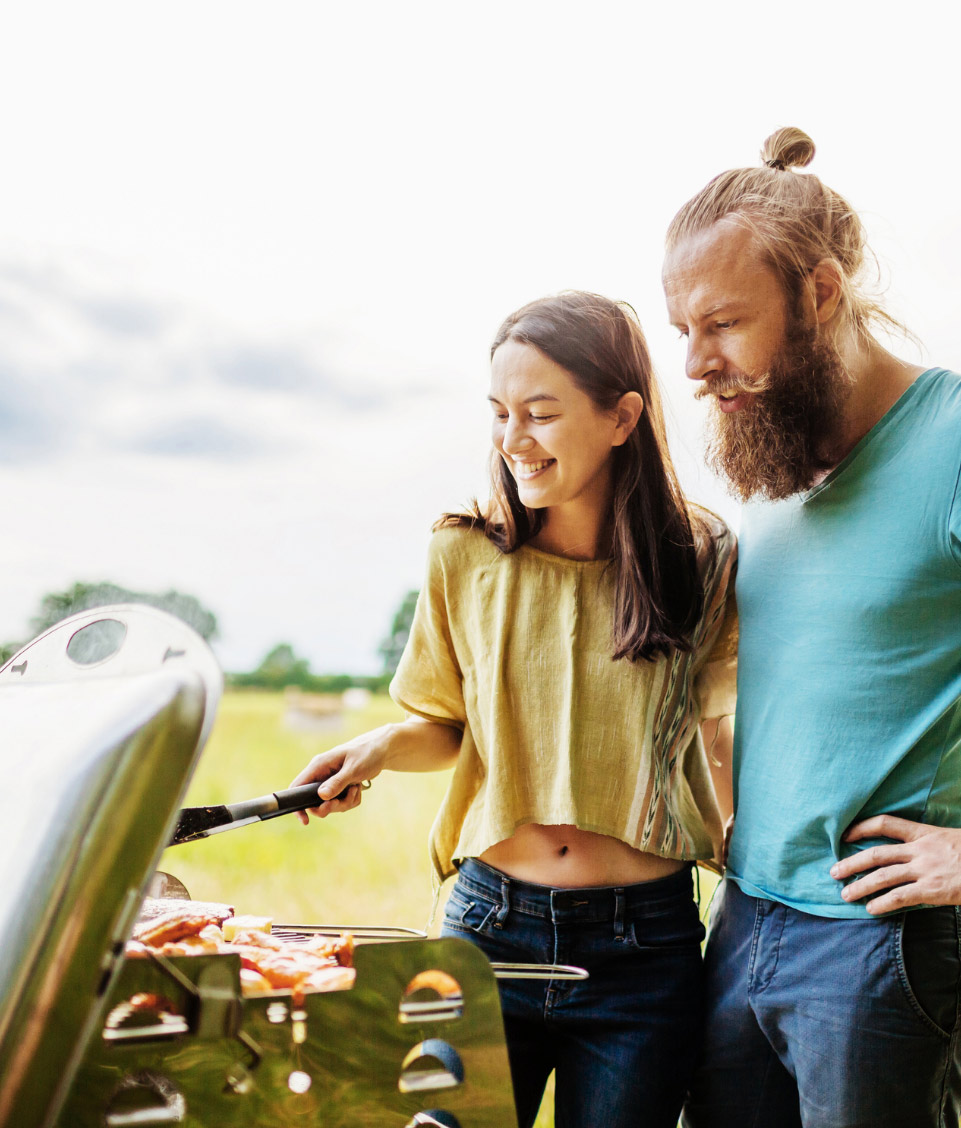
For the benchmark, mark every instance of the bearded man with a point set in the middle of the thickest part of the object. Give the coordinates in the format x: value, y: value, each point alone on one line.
x: 834, y: 960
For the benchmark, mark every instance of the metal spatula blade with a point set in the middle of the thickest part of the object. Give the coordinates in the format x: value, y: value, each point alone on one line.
x: 201, y: 822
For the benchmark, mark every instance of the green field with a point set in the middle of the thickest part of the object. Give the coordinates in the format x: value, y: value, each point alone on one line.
x: 369, y: 866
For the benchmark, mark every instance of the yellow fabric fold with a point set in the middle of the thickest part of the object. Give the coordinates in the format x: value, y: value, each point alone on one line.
x: 516, y: 649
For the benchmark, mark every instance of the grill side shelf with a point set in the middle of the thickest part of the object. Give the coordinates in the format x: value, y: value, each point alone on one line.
x: 419, y: 1033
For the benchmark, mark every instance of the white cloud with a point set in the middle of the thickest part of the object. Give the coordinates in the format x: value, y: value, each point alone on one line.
x: 251, y: 259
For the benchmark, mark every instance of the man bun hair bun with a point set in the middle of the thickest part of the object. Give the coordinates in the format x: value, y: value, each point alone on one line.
x: 788, y: 148
x: 798, y: 222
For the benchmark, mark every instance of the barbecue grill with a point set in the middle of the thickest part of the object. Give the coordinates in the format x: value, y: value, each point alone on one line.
x: 106, y: 715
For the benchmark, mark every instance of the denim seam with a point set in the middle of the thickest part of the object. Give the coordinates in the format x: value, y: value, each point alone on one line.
x: 905, y: 984
x: 464, y: 907
x: 678, y: 945
x: 951, y: 1055
x: 457, y: 926
x: 782, y: 922
x: 755, y: 940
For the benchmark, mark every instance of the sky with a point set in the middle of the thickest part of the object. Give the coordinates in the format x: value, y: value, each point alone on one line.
x: 252, y: 257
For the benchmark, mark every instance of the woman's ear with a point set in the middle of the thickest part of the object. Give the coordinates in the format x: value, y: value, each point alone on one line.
x: 628, y: 410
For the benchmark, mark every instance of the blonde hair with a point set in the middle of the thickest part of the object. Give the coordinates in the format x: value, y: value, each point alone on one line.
x: 798, y: 221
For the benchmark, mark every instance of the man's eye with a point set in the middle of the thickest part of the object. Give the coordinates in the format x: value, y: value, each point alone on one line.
x: 682, y: 334
x: 726, y: 324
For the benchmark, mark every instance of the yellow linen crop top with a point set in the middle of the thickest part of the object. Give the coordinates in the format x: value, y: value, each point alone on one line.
x: 516, y: 650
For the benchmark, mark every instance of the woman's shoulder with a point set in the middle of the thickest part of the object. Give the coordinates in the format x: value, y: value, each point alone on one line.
x: 710, y: 529
x: 459, y: 540
x: 715, y: 541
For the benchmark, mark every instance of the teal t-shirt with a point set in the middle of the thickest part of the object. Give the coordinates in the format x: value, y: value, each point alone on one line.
x: 849, y: 662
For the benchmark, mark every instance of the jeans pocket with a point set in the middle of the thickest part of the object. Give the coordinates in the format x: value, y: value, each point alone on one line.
x: 929, y: 965
x: 670, y: 926
x: 467, y: 913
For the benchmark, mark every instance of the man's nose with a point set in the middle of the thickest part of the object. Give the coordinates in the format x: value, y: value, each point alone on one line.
x: 702, y: 361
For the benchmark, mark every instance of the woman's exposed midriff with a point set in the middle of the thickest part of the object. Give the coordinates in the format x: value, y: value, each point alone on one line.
x: 566, y: 857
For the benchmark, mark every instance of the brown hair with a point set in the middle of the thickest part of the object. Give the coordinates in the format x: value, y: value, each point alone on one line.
x: 658, y: 589
x: 798, y: 221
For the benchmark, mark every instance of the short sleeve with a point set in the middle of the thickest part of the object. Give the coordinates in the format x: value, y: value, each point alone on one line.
x: 716, y: 679
x: 428, y: 682
x: 954, y: 520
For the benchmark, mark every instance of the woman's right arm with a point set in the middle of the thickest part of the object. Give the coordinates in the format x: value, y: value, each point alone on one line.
x: 414, y: 745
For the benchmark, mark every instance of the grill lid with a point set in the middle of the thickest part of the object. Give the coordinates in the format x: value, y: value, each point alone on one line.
x: 102, y: 720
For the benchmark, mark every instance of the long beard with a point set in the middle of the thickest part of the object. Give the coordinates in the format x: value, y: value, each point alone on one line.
x: 788, y: 433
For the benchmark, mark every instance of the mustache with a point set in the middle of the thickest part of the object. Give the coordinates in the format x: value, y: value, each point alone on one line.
x: 736, y: 383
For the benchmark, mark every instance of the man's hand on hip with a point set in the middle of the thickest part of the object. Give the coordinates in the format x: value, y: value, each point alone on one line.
x: 923, y: 865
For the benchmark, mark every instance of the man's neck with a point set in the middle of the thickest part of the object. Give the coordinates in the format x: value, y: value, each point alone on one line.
x: 878, y: 380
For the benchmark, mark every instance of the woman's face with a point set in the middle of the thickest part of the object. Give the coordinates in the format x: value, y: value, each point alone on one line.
x: 557, y: 444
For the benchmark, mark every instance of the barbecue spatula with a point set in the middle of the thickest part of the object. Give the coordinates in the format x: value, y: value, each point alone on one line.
x: 201, y: 822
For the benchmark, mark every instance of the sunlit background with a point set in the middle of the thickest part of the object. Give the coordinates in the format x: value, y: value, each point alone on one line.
x: 252, y: 255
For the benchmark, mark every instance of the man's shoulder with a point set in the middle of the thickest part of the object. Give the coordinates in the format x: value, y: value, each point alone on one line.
x: 935, y: 414
x: 941, y: 387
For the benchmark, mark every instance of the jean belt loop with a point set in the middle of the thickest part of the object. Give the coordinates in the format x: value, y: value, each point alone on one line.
x: 619, y: 903
x: 505, y: 907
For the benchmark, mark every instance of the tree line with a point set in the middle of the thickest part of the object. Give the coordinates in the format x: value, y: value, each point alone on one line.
x: 281, y: 666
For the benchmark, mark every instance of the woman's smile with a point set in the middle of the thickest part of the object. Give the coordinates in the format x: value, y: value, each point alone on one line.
x: 527, y: 470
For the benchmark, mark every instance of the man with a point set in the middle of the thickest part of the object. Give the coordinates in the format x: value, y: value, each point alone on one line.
x: 830, y: 1006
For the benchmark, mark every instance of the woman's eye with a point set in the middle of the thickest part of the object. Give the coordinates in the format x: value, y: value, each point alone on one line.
x: 542, y: 418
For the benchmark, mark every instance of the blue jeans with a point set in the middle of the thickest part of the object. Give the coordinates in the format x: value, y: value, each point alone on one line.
x: 622, y: 1043
x: 826, y: 1023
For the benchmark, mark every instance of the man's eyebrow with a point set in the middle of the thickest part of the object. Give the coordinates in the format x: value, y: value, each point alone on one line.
x: 530, y: 399
x: 709, y: 312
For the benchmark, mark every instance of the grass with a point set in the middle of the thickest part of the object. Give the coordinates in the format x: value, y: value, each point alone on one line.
x: 369, y: 866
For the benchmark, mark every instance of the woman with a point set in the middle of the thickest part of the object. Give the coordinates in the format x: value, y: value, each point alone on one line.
x: 565, y: 647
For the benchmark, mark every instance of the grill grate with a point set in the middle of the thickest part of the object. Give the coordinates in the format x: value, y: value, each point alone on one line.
x: 362, y: 934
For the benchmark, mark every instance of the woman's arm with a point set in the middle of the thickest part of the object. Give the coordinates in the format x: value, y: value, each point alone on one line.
x: 718, y: 737
x: 414, y: 745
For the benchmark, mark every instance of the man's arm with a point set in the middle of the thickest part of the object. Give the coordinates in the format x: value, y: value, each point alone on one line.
x: 922, y: 867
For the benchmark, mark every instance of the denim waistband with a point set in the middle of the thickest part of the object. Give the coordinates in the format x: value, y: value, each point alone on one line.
x: 598, y: 903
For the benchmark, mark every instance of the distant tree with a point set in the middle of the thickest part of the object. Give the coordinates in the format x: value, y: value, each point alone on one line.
x: 84, y: 597
x: 393, y: 645
x: 282, y: 667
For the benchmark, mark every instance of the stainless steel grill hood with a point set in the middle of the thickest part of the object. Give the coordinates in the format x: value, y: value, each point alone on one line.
x: 102, y: 719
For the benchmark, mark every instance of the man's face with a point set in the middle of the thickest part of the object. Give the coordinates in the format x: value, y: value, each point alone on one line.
x: 777, y: 385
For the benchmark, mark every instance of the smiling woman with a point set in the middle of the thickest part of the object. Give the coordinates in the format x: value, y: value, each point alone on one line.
x: 569, y: 640
x: 592, y: 352
x: 557, y: 444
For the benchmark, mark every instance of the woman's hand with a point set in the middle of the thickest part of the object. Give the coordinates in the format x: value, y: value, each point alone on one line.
x: 414, y: 745
x: 345, y: 767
